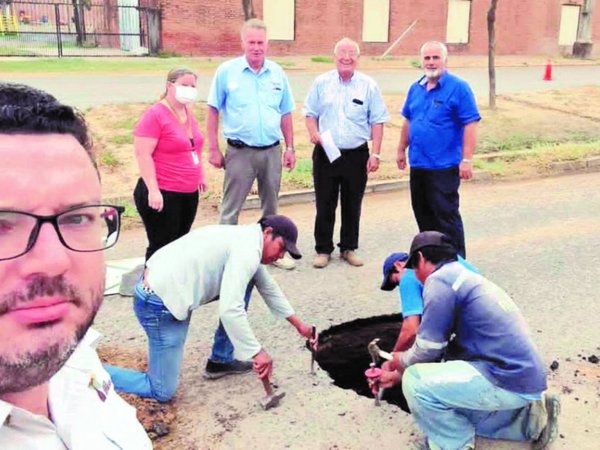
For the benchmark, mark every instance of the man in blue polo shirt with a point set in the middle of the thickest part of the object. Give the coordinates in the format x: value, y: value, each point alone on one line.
x: 440, y: 131
x: 492, y: 379
x: 254, y: 97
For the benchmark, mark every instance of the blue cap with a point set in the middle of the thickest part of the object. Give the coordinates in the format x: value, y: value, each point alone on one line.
x: 388, y: 265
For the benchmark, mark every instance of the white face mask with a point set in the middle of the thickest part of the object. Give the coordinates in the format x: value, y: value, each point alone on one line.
x: 185, y: 94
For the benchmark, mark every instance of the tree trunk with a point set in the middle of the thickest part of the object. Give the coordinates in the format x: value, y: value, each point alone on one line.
x: 77, y: 21
x: 248, y: 7
x: 491, y: 25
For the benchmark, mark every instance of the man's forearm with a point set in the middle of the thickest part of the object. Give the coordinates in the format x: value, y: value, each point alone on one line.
x: 404, y: 134
x: 287, y: 129
x: 469, y: 140
x: 312, y: 126
x: 212, y: 128
x: 408, y: 331
x: 377, y: 136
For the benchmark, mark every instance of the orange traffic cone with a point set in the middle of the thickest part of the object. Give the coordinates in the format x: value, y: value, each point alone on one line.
x: 548, y: 71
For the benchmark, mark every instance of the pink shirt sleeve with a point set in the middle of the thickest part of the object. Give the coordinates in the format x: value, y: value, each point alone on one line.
x: 148, y: 125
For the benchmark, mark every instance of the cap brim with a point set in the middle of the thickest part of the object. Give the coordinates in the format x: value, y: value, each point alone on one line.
x: 387, y: 284
x: 291, y: 248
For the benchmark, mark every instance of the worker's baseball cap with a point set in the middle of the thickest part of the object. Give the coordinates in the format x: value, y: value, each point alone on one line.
x: 428, y: 239
x: 388, y: 265
x: 284, y: 227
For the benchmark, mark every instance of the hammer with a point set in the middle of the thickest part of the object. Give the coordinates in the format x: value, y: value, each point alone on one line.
x: 377, y: 353
x: 271, y: 400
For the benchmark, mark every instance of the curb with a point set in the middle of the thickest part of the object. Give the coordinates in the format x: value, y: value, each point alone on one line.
x: 480, y: 176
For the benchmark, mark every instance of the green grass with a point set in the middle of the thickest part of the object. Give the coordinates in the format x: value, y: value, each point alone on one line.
x: 286, y: 64
x: 126, y: 124
x: 301, y: 176
x: 540, y: 155
x: 108, y: 159
x: 415, y: 63
x: 103, y: 65
x: 121, y: 139
x: 322, y: 59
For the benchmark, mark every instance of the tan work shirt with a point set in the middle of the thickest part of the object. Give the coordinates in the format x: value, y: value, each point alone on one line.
x: 86, y: 412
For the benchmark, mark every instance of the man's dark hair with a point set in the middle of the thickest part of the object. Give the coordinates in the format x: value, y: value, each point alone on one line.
x: 26, y: 110
x: 436, y: 255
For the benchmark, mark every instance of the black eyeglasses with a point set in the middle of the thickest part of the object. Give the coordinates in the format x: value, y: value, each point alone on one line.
x: 88, y: 228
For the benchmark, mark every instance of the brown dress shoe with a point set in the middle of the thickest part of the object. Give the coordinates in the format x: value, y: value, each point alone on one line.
x: 352, y: 258
x: 321, y: 260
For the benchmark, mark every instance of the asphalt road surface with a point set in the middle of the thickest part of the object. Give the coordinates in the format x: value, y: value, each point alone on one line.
x: 85, y: 91
x: 538, y: 239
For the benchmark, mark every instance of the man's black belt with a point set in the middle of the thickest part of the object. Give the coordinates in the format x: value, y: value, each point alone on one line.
x: 239, y: 144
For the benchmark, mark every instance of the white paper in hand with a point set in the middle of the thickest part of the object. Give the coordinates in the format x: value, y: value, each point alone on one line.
x: 329, y: 146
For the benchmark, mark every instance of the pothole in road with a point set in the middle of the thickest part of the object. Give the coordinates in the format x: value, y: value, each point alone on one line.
x: 343, y: 353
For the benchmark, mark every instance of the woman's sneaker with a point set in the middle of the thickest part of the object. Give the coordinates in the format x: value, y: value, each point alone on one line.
x: 216, y: 370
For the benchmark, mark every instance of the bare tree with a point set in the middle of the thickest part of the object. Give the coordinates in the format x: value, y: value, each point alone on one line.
x: 491, y: 26
x: 248, y: 7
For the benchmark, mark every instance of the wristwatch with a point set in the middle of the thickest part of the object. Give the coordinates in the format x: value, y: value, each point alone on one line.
x: 377, y: 156
x: 290, y: 149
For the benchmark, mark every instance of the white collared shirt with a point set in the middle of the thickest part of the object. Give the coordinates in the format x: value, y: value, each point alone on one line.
x: 87, y: 413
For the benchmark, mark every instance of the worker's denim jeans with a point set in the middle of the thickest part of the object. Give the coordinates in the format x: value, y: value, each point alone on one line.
x: 452, y: 402
x: 166, y: 338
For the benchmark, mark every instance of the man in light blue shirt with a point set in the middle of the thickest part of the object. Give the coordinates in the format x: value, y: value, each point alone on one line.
x: 347, y: 106
x: 254, y: 97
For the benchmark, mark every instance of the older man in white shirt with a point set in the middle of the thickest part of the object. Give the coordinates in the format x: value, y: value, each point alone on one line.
x: 346, y: 106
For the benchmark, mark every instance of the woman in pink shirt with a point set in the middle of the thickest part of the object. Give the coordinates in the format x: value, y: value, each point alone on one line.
x: 168, y: 147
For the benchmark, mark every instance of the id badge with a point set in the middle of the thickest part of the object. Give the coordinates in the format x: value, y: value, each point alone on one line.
x: 195, y: 158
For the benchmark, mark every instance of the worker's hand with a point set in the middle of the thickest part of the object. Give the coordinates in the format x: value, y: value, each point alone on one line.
x: 372, y: 164
x: 465, y: 170
x: 262, y: 364
x: 401, y: 160
x: 389, y: 379
x: 289, y: 160
x: 306, y: 331
x: 155, y: 200
x: 215, y: 158
x: 387, y: 366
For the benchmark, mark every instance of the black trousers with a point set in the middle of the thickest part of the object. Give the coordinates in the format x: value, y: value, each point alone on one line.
x: 435, y: 202
x: 347, y: 176
x: 175, y: 219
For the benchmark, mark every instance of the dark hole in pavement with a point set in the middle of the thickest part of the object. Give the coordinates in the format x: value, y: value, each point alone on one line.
x: 343, y: 353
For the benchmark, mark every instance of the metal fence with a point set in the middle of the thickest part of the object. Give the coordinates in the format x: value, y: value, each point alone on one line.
x: 78, y: 28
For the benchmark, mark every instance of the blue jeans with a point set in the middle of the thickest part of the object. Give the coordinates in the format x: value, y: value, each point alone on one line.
x: 166, y: 338
x: 452, y: 402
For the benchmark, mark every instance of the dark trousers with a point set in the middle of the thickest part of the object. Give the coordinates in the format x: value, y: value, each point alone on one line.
x: 175, y: 219
x: 435, y: 202
x: 347, y: 176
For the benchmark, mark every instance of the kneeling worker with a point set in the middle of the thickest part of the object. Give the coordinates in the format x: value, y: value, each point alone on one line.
x: 216, y: 262
x: 410, y: 291
x: 492, y: 380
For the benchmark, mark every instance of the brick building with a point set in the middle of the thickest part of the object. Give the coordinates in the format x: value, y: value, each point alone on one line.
x: 210, y: 28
